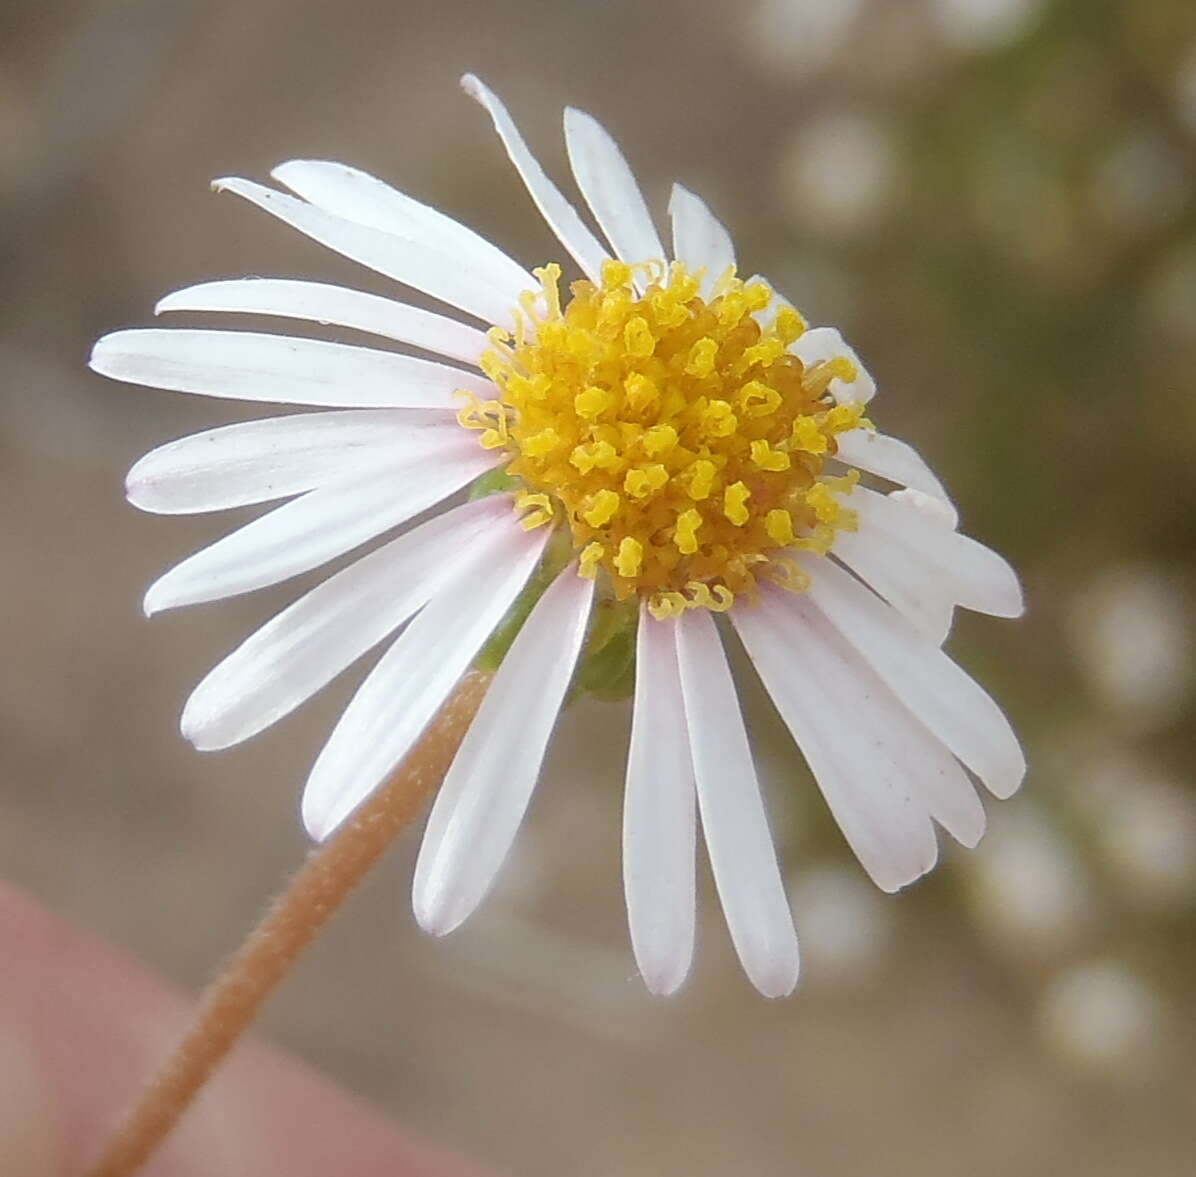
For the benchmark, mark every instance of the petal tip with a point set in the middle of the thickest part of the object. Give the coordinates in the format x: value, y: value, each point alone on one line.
x: 433, y: 914
x: 316, y: 819
x: 159, y: 597
x: 100, y: 358
x: 664, y: 981
x: 777, y: 979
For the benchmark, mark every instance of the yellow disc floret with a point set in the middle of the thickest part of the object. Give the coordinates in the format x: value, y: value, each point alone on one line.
x: 676, y: 437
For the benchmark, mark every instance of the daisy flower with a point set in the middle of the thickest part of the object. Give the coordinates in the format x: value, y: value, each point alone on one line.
x: 653, y: 444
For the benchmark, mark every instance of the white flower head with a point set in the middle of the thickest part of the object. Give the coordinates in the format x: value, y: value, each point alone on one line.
x: 657, y: 443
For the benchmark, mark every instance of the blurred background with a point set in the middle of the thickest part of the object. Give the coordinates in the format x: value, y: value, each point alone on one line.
x: 995, y: 199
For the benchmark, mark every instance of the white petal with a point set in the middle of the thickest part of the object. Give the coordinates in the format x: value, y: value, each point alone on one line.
x: 952, y: 705
x: 742, y: 855
x: 346, y: 192
x: 481, y: 804
x: 317, y: 527
x: 768, y: 315
x: 414, y: 263
x: 659, y: 820
x: 699, y: 238
x: 936, y: 611
x: 819, y: 344
x: 414, y: 677
x: 318, y: 302
x: 271, y: 458
x: 246, y: 365
x: 931, y: 506
x: 890, y: 458
x: 919, y: 549
x: 909, y: 586
x: 610, y: 189
x: 877, y: 767
x: 560, y: 215
x: 306, y: 645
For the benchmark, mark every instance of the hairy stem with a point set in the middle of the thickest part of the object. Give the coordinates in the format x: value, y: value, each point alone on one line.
x: 291, y: 923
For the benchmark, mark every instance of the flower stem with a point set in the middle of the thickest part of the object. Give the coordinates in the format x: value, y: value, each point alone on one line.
x: 291, y: 923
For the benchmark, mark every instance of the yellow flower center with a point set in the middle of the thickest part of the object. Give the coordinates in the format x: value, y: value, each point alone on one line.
x: 678, y: 439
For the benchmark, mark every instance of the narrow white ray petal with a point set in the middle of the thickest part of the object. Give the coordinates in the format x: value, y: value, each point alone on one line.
x: 877, y: 767
x: 414, y: 677
x: 318, y: 526
x: 659, y: 819
x: 699, y: 239
x: 318, y: 302
x: 953, y: 706
x: 306, y: 645
x: 926, y: 768
x: 347, y: 192
x: 481, y: 804
x: 271, y: 458
x: 610, y: 189
x: 414, y: 263
x: 971, y: 574
x: 819, y: 344
x: 742, y: 855
x: 907, y: 584
x: 890, y: 458
x: 939, y: 510
x: 246, y: 365
x: 937, y: 611
x: 559, y: 214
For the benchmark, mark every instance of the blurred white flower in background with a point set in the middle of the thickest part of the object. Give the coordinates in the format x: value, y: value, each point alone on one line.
x: 1029, y: 891
x: 1139, y: 182
x: 847, y: 931
x: 795, y: 38
x: 1144, y: 825
x: 1102, y: 1016
x: 1132, y: 634
x: 837, y: 172
x: 979, y: 25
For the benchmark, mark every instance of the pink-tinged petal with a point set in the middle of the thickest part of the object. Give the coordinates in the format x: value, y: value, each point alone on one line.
x: 953, y: 706
x: 560, y: 215
x: 659, y: 818
x: 283, y: 369
x: 891, y: 458
x: 742, y: 855
x: 319, y: 526
x: 917, y: 549
x: 309, y: 643
x: 347, y: 192
x: 700, y: 240
x: 413, y: 262
x: 481, y: 804
x: 275, y: 457
x: 610, y: 189
x: 418, y: 673
x: 882, y: 773
x: 318, y: 302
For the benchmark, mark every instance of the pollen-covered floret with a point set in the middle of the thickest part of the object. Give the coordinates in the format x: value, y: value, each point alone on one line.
x: 677, y: 437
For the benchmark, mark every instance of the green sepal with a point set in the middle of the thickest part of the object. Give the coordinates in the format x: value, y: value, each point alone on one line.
x: 609, y: 674
x: 556, y: 556
x: 493, y: 482
x: 607, y: 669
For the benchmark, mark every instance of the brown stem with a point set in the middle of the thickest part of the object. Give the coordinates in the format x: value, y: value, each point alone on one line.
x: 317, y: 891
